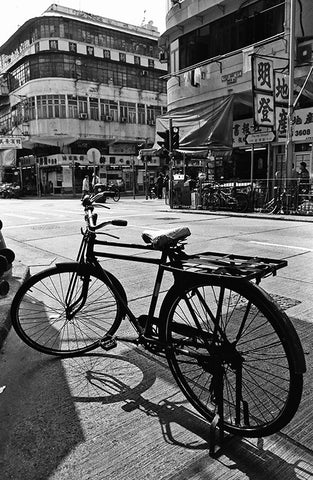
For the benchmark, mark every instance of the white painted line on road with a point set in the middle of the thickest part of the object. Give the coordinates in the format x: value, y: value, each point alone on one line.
x: 20, y: 216
x: 45, y: 213
x: 279, y: 245
x: 25, y: 225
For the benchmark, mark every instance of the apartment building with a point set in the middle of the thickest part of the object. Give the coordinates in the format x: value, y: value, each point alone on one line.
x: 228, y: 85
x: 72, y: 81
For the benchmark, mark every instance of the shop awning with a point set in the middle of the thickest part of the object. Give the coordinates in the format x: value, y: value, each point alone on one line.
x: 202, y: 127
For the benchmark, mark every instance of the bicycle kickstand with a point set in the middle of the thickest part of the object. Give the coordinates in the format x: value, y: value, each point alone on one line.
x: 218, y: 420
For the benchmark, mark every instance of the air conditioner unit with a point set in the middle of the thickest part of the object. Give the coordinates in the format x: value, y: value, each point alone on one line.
x: 304, y: 52
x: 109, y: 118
x: 83, y: 116
x: 123, y: 119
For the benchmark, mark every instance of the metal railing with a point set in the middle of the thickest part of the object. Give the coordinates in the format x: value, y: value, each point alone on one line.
x: 265, y: 196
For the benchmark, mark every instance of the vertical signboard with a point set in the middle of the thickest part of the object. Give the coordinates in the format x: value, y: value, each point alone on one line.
x: 263, y: 91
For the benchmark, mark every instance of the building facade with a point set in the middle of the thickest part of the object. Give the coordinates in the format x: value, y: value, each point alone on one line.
x: 72, y: 81
x: 232, y: 57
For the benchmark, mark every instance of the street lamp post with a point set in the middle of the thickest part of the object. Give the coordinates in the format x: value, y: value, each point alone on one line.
x: 291, y: 43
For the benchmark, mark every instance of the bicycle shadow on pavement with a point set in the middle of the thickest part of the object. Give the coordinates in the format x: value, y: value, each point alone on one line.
x: 180, y: 426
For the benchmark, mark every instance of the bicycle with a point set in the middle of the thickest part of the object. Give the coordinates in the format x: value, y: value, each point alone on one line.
x: 232, y: 351
x: 215, y: 198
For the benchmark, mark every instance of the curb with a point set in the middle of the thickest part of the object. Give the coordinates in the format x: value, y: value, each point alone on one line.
x: 256, y: 215
x: 18, y: 274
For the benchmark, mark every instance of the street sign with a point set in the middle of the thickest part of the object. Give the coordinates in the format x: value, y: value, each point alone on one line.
x: 260, y: 137
x: 93, y: 156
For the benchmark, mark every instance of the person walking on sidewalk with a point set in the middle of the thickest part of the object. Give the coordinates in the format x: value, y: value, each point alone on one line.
x: 85, y: 187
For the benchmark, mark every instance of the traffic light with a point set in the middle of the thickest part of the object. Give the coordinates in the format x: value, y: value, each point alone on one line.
x: 175, y: 138
x: 165, y: 143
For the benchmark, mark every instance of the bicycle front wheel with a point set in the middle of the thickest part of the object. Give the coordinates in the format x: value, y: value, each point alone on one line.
x: 229, y: 341
x: 66, y: 310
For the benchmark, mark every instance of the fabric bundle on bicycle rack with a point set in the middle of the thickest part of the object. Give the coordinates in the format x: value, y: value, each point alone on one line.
x: 163, y: 238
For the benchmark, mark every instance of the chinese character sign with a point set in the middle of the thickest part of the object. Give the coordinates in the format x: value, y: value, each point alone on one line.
x: 10, y: 142
x: 264, y: 109
x: 281, y: 88
x: 302, y: 125
x: 281, y: 121
x: 243, y: 128
x: 263, y: 74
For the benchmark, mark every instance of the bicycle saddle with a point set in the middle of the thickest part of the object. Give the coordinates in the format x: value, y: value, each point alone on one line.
x: 165, y: 238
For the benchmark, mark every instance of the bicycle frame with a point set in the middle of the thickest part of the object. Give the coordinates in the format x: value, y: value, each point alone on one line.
x: 90, y: 256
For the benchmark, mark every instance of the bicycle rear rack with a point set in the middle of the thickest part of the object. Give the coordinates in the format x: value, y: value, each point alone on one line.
x: 228, y: 265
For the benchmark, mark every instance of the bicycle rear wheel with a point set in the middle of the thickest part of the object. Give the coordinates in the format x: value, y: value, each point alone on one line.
x: 235, y: 328
x: 43, y: 318
x: 242, y: 202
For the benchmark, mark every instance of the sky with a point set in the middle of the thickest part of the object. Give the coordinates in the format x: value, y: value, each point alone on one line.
x: 17, y: 12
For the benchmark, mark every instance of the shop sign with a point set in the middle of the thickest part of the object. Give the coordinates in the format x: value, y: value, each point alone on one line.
x: 243, y: 128
x: 281, y: 119
x: 281, y: 88
x: 264, y: 109
x: 302, y: 125
x: 263, y: 74
x: 11, y: 142
x: 260, y: 137
x: 231, y: 78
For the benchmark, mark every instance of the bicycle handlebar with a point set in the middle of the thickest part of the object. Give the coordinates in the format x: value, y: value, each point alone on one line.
x: 91, y: 218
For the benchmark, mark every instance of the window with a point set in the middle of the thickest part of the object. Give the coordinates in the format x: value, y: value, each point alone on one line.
x: 127, y: 112
x: 94, y: 108
x: 72, y: 106
x: 42, y: 106
x: 108, y: 110
x: 50, y: 106
x: 141, y: 113
x: 82, y: 105
x: 136, y: 60
x: 248, y: 25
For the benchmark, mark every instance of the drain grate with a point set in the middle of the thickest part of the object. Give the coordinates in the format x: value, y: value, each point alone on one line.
x: 285, y: 302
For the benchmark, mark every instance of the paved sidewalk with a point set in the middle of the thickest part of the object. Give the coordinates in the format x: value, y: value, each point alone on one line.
x: 15, y: 277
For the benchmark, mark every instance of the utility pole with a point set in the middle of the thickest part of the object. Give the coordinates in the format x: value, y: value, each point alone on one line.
x: 171, y: 163
x: 291, y: 43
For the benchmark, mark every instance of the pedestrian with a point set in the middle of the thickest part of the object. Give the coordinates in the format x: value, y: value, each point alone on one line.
x: 165, y: 188
x: 159, y: 185
x: 85, y: 187
x: 304, y: 179
x: 95, y: 180
x: 293, y: 187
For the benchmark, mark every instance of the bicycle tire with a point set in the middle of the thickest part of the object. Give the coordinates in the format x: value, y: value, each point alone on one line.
x: 242, y: 202
x: 272, y: 373
x: 40, y: 320
x: 116, y: 195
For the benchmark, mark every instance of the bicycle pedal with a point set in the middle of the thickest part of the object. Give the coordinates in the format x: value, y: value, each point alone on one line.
x: 107, y: 343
